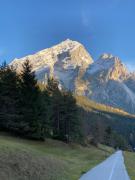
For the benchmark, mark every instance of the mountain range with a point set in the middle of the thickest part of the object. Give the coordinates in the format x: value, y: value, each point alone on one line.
x: 105, y: 81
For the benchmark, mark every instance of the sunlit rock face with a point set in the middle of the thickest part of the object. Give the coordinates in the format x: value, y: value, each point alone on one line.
x: 110, y: 83
x: 106, y: 80
x: 66, y: 61
x: 108, y: 67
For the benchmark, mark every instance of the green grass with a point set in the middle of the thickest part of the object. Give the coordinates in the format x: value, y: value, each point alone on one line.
x: 130, y: 164
x: 51, y: 160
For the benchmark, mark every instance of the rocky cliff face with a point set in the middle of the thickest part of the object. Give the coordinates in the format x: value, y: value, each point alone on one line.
x: 110, y: 83
x: 106, y: 80
x: 108, y: 67
x: 66, y: 61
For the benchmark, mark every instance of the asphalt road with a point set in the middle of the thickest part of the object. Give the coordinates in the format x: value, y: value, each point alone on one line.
x: 113, y: 168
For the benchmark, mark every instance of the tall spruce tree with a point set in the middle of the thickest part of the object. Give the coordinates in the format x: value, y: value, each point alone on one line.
x: 55, y: 99
x: 72, y: 123
x: 46, y: 104
x: 65, y: 122
x: 9, y: 95
x: 31, y: 109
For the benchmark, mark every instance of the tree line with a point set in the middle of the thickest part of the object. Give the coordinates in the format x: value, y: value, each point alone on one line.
x: 32, y: 112
x: 109, y: 129
x: 35, y: 111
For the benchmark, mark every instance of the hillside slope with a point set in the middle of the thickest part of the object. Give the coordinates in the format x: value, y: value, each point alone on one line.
x: 90, y: 105
x: 99, y: 116
x: 51, y: 160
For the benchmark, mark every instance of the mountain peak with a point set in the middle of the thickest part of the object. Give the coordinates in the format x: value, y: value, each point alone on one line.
x: 108, y: 60
x: 67, y: 52
x: 66, y: 61
x: 106, y: 56
x: 68, y: 41
x: 67, y: 44
x: 109, y: 65
x: 105, y: 80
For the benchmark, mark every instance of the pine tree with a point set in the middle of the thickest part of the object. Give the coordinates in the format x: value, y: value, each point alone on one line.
x: 8, y: 97
x: 108, y: 134
x: 72, y: 123
x: 31, y: 109
x: 55, y: 99
x: 65, y: 122
x: 46, y: 113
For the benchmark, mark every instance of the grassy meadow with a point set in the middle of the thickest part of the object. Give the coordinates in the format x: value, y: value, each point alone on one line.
x: 22, y: 159
x: 130, y: 164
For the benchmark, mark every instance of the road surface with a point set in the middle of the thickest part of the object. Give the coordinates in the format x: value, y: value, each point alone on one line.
x: 112, y: 168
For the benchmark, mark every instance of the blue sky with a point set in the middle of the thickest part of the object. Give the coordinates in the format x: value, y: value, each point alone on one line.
x: 27, y: 26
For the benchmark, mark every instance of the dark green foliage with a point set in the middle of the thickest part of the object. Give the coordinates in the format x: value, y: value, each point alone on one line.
x: 108, y: 135
x: 64, y: 117
x: 71, y: 128
x: 8, y: 96
x: 35, y: 113
x: 118, y: 142
x: 132, y: 139
x: 30, y: 106
x: 46, y: 124
x: 108, y: 128
x: 56, y: 107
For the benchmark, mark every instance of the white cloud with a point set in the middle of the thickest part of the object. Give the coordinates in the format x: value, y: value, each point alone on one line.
x: 85, y: 20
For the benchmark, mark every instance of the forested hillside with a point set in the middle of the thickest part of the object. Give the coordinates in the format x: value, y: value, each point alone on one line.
x: 28, y: 111
x: 107, y: 125
x: 38, y: 111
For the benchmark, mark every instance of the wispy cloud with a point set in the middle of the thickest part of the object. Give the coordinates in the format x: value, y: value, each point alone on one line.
x: 85, y: 19
x: 85, y: 14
